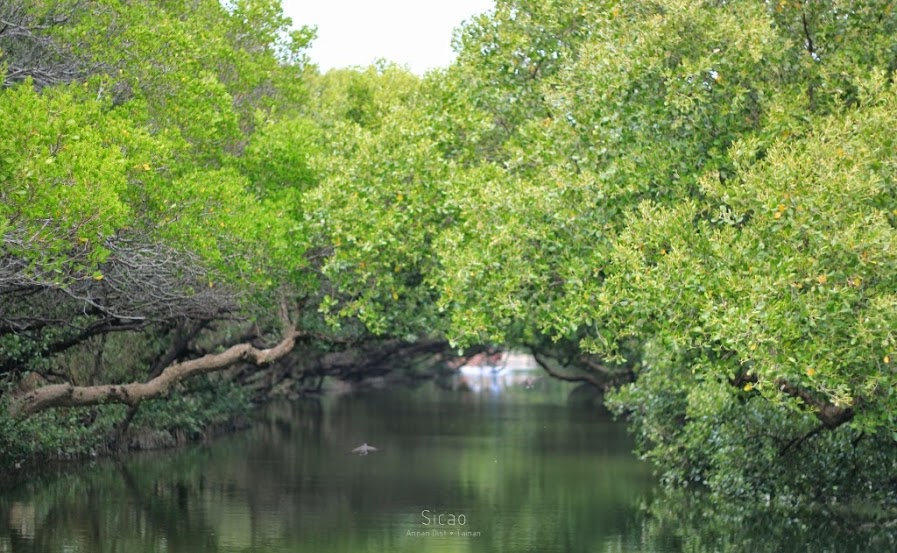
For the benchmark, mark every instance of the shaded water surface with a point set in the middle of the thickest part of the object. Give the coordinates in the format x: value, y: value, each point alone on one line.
x: 516, y: 468
x: 522, y: 471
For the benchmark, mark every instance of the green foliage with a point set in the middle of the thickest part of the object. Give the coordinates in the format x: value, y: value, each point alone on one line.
x: 203, y: 403
x: 701, y: 190
x: 504, y: 59
x: 380, y: 203
x: 57, y: 435
x: 712, y: 182
x: 681, y: 520
x: 277, y: 158
x: 169, y: 166
x: 715, y: 178
x: 362, y: 97
x: 141, y: 147
x: 63, y: 178
x: 77, y: 433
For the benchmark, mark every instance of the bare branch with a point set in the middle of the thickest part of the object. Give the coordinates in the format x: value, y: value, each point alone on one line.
x: 140, y: 283
x: 67, y: 395
x: 30, y: 51
x: 799, y: 440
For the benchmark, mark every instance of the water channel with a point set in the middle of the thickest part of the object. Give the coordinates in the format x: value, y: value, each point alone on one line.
x: 487, y: 467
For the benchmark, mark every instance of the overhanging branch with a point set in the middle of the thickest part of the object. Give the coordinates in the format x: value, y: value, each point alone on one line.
x: 831, y: 415
x: 67, y: 395
x: 546, y: 364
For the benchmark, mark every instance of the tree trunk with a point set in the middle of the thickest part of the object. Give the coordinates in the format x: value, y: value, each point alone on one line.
x: 67, y: 395
x: 832, y: 416
x: 183, y: 333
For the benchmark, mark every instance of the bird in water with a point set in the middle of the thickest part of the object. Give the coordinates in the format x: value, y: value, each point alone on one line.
x: 364, y: 449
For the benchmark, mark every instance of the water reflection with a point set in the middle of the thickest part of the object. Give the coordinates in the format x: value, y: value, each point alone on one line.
x: 495, y: 374
x: 527, y: 472
x: 682, y: 521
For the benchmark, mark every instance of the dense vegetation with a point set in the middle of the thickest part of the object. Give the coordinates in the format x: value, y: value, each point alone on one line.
x: 690, y: 204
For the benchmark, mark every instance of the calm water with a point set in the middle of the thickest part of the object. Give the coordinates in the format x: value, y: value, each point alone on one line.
x: 525, y: 471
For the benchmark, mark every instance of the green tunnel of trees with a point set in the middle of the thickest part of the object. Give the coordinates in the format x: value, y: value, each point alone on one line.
x: 688, y: 204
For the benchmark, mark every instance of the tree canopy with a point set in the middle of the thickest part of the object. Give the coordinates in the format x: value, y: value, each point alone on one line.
x: 689, y: 204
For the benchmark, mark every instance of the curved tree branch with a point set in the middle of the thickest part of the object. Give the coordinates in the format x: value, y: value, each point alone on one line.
x: 830, y: 415
x: 546, y: 363
x: 67, y: 395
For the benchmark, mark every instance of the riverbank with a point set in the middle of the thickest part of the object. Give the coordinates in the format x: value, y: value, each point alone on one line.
x: 206, y: 410
x: 205, y: 407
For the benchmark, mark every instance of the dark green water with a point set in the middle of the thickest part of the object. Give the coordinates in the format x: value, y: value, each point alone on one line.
x: 526, y: 472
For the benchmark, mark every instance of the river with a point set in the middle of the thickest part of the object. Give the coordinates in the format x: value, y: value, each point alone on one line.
x: 480, y: 468
x: 508, y: 468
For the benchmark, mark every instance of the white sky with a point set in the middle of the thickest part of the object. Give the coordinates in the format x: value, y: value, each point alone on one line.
x: 416, y: 33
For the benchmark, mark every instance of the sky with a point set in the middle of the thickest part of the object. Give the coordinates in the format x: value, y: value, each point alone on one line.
x: 416, y: 33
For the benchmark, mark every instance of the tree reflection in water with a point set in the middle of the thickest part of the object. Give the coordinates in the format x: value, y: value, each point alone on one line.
x: 528, y: 472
